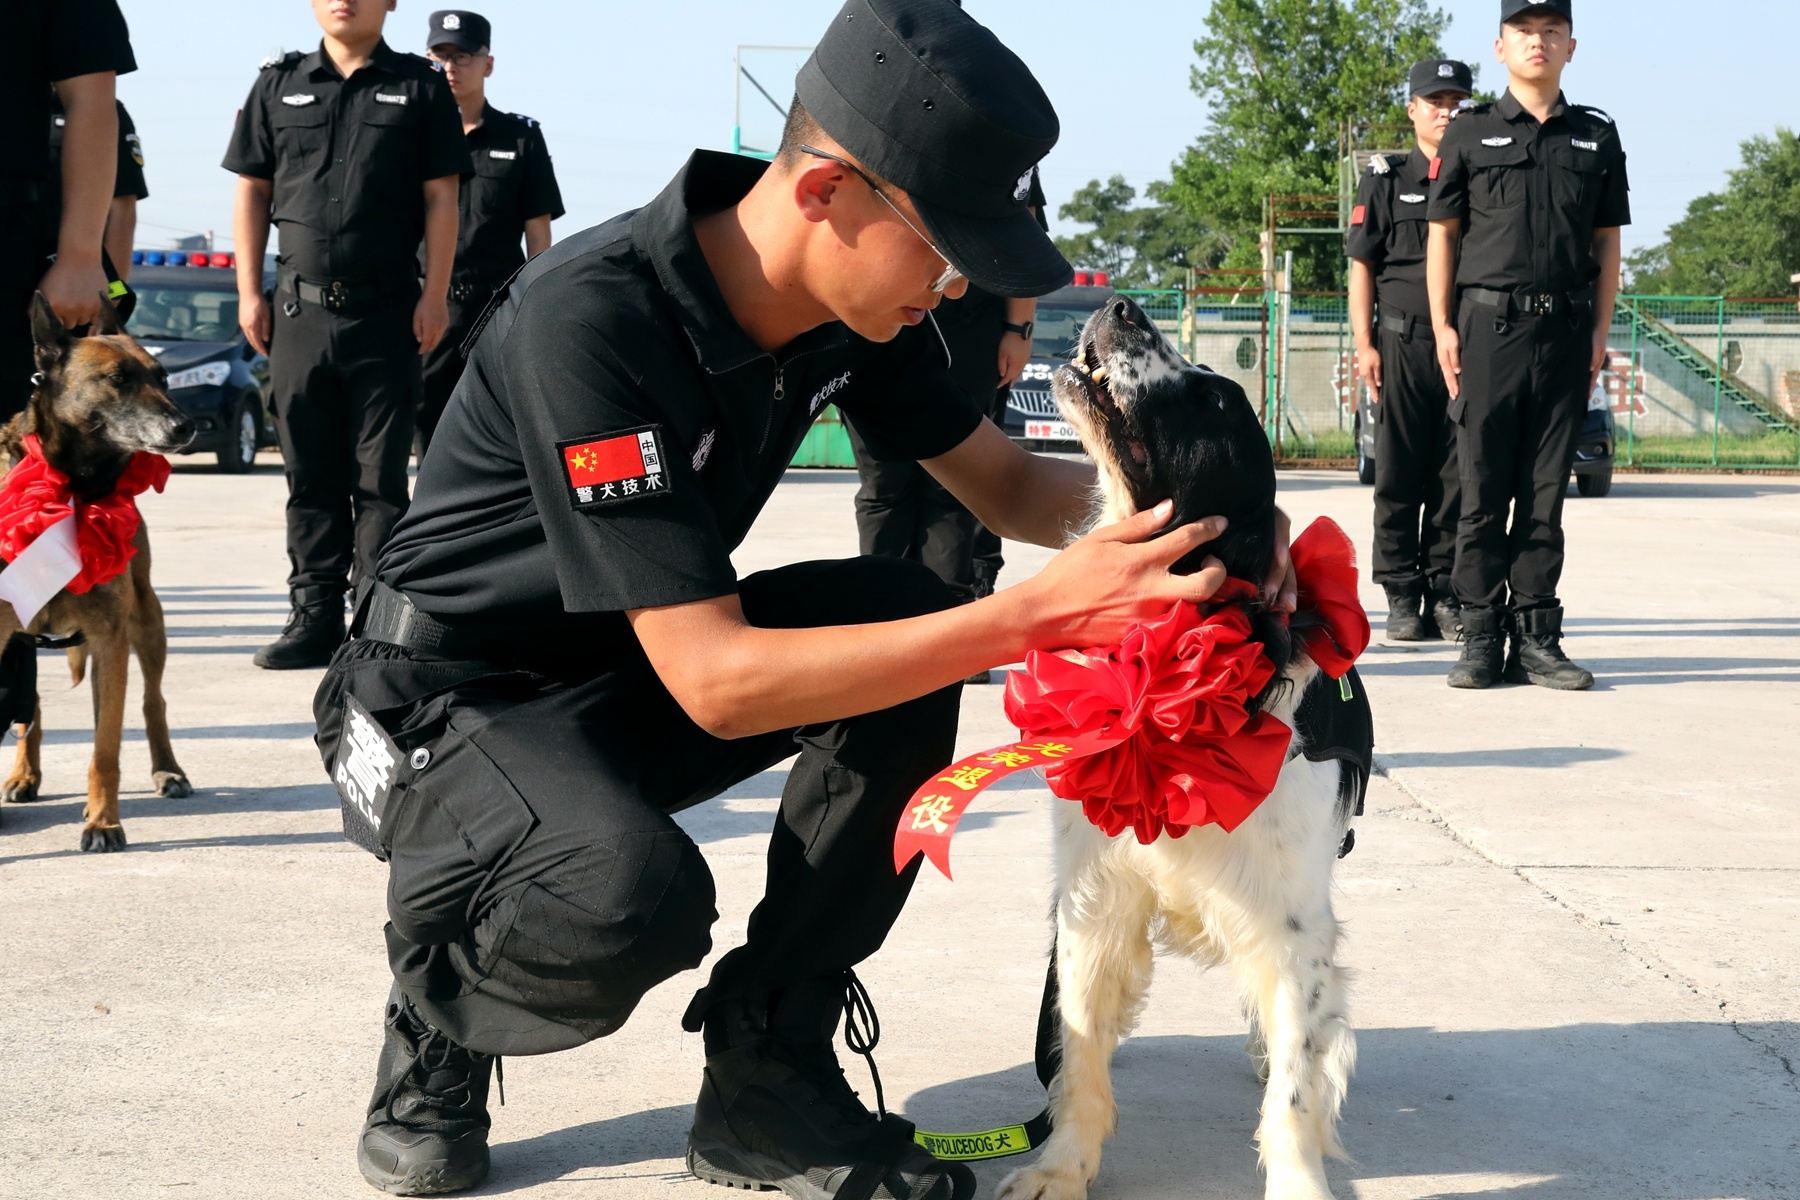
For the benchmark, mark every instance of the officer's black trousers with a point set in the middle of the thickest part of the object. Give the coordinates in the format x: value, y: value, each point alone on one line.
x: 443, y: 367
x: 1417, y: 492
x: 537, y: 886
x: 22, y: 253
x: 346, y: 385
x: 902, y: 512
x: 1524, y: 394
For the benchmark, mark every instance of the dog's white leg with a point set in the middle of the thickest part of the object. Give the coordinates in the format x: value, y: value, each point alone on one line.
x: 1103, y: 968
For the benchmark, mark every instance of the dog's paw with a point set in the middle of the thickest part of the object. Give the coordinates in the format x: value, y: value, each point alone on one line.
x: 1297, y: 1185
x: 1030, y: 1183
x: 102, y: 839
x: 172, y: 784
x: 19, y: 791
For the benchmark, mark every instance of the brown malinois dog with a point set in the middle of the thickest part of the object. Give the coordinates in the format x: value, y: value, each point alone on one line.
x: 98, y: 401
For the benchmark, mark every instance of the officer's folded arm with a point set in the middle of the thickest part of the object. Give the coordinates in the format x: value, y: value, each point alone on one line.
x: 735, y: 679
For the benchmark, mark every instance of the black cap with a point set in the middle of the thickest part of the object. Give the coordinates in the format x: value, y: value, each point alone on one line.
x: 460, y: 28
x: 1440, y: 75
x: 928, y: 99
x: 1514, y: 8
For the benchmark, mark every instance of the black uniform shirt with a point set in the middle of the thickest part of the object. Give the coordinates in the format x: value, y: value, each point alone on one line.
x: 52, y: 40
x: 612, y: 358
x: 1388, y: 228
x: 513, y: 183
x: 129, y: 179
x: 349, y: 158
x: 1530, y: 196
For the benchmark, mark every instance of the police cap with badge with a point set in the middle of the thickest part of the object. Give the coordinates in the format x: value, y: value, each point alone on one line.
x: 929, y: 100
x: 1518, y: 8
x: 460, y: 28
x: 1436, y: 75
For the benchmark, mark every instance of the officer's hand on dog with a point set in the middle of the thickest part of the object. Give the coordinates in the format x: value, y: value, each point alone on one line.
x: 1092, y: 592
x: 1449, y: 350
x: 74, y: 291
x: 1368, y: 369
x: 431, y: 317
x: 254, y: 317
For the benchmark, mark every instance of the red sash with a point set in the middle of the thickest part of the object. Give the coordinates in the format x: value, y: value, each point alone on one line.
x: 35, y: 496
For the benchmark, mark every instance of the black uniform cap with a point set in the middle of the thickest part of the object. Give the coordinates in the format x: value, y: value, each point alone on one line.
x: 1513, y: 8
x: 928, y: 99
x: 1440, y: 75
x: 460, y: 28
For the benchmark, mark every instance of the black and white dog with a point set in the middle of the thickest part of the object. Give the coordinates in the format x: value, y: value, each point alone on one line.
x: 1258, y: 899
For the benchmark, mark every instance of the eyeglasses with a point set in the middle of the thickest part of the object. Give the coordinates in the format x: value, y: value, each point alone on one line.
x: 460, y: 60
x: 951, y: 274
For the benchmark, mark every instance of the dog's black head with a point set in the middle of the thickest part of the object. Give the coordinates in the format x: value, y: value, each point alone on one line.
x: 1160, y: 429
x: 99, y: 400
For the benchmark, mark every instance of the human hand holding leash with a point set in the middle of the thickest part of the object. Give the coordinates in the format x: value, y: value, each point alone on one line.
x: 74, y: 290
x: 1116, y: 576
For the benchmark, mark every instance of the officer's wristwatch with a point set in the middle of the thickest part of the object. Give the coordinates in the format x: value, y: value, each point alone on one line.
x: 1023, y: 331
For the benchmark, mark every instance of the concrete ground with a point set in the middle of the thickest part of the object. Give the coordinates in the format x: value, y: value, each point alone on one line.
x: 1575, y: 919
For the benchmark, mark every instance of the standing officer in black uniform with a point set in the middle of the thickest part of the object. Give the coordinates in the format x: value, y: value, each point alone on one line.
x: 557, y: 653
x: 129, y: 186
x: 355, y: 151
x: 1416, y: 494
x: 1532, y: 191
x: 512, y: 194
x: 80, y: 47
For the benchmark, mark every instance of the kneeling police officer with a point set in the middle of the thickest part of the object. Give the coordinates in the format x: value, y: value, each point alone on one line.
x: 557, y: 653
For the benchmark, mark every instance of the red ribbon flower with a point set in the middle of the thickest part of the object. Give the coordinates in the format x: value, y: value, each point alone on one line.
x: 35, y: 496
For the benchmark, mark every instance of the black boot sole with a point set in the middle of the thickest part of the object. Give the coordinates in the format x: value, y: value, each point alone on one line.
x: 438, y: 1179
x: 735, y: 1167
x: 1518, y: 674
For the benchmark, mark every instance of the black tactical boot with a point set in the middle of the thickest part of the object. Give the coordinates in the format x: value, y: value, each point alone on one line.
x: 1446, y: 613
x: 1404, y: 623
x: 313, y: 633
x: 775, y: 1110
x: 1537, y: 655
x: 427, y: 1129
x: 1483, y: 650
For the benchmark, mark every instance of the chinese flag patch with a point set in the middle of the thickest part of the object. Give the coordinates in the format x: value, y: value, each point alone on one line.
x: 1436, y: 163
x: 615, y: 468
x: 1358, y: 213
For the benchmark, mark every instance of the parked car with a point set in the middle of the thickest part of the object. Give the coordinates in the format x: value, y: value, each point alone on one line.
x: 1593, y: 470
x: 187, y: 316
x: 1031, y: 414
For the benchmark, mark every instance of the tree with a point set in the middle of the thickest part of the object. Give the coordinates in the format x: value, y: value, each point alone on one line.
x: 1280, y: 77
x: 1139, y: 246
x: 1744, y: 241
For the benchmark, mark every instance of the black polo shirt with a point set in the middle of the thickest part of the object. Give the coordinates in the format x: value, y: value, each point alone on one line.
x: 349, y: 158
x: 616, y: 432
x: 1388, y: 231
x: 52, y: 40
x: 513, y: 183
x: 1530, y: 196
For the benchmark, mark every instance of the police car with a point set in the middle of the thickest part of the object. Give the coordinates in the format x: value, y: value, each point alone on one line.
x: 187, y: 316
x: 1031, y: 414
x: 1593, y: 469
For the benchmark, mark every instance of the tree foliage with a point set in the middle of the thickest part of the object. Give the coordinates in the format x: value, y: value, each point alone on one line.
x: 1279, y: 78
x: 1743, y: 241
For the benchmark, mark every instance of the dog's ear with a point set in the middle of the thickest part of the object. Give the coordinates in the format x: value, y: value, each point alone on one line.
x: 109, y: 321
x: 49, y: 339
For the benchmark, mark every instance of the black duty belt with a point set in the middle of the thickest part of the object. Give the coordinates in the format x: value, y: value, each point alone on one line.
x: 336, y: 295
x: 1407, y: 326
x: 468, y: 290
x: 1528, y: 303
x: 388, y: 616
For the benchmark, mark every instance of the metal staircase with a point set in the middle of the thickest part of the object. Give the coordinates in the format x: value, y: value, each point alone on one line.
x: 1653, y: 330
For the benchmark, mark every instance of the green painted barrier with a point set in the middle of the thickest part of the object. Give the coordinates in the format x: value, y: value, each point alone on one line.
x: 827, y: 443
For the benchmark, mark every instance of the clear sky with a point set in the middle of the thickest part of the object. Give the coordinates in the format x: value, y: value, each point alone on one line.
x: 624, y: 91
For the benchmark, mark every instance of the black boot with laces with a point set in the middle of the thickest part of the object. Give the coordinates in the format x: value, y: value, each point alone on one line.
x: 426, y: 1134
x: 314, y: 631
x: 1537, y: 654
x: 775, y: 1110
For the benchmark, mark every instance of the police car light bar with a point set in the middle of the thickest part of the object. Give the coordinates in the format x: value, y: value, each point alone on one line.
x: 1092, y: 279
x: 181, y: 258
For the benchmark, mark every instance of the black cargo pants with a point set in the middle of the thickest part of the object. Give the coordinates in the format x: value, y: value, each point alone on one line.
x: 1524, y: 395
x: 1417, y: 486
x: 903, y: 512
x: 537, y: 887
x: 346, y: 383
x: 443, y: 367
